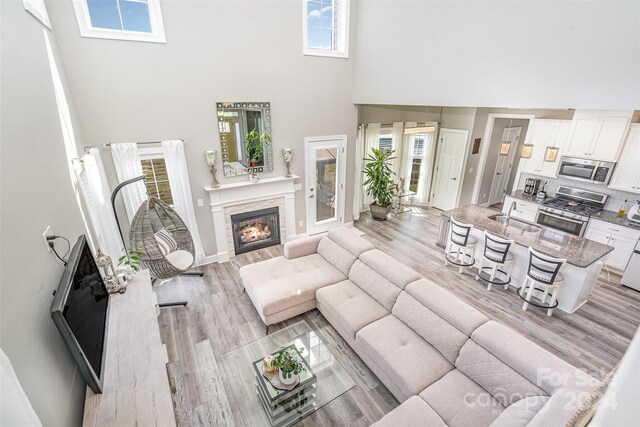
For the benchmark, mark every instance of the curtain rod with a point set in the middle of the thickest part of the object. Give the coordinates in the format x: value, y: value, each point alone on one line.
x: 403, y: 123
x: 108, y: 145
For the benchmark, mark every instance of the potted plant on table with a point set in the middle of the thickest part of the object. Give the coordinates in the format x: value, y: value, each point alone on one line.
x: 255, y: 143
x: 379, y: 182
x: 289, y: 364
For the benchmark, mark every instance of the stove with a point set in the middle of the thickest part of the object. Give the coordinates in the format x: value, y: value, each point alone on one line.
x: 571, y: 209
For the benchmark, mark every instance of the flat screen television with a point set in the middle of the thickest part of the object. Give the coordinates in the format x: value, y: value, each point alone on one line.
x: 79, y: 311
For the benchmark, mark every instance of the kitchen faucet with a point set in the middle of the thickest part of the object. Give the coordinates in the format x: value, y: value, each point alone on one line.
x: 513, y: 206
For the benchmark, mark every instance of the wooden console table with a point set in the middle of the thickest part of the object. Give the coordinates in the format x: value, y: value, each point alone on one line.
x: 136, y: 389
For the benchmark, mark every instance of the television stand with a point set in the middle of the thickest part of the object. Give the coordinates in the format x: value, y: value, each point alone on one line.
x: 135, y: 389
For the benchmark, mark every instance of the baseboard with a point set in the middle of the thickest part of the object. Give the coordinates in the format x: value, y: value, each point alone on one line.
x: 208, y: 260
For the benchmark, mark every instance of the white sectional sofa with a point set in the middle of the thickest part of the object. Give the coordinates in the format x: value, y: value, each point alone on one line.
x: 444, y: 360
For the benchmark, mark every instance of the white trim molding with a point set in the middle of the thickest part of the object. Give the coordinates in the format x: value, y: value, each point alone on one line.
x: 277, y: 191
x: 88, y: 30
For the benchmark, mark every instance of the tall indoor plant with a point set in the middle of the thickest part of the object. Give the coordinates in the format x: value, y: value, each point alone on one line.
x: 255, y: 143
x: 379, y: 182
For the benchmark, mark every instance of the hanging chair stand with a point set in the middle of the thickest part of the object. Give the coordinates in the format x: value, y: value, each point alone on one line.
x: 156, y: 260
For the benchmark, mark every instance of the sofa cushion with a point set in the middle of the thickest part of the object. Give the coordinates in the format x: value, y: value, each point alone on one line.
x: 279, y: 283
x: 411, y: 362
x: 302, y: 247
x: 461, y: 402
x: 434, y: 329
x: 536, y: 364
x: 389, y: 268
x: 381, y: 289
x: 504, y: 384
x: 336, y: 255
x: 414, y: 412
x: 520, y: 413
x: 446, y: 305
x: 349, y: 305
x: 350, y: 240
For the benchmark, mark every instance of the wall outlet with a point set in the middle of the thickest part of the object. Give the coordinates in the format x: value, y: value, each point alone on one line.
x: 484, y: 195
x: 471, y: 169
x: 47, y: 232
x: 297, y: 187
x: 200, y: 203
x: 300, y: 224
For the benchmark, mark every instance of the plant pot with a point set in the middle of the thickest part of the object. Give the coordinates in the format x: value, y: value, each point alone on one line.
x: 379, y: 212
x: 287, y: 381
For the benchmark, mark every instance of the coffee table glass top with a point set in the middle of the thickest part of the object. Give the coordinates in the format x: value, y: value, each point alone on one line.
x: 328, y: 380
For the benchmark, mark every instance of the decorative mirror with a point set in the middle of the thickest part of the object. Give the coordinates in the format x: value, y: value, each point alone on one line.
x: 235, y: 121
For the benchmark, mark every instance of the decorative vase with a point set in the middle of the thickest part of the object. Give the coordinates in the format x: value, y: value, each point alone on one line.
x: 379, y: 212
x: 267, y: 364
x: 287, y: 381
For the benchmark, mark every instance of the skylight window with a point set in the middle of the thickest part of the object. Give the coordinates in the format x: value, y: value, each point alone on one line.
x: 326, y: 28
x: 138, y: 20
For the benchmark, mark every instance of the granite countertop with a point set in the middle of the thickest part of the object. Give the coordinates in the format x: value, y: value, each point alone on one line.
x: 577, y: 250
x: 612, y: 217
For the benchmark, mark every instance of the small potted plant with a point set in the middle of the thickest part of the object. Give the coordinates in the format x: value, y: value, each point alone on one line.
x: 289, y: 364
x: 379, y: 182
x: 255, y: 143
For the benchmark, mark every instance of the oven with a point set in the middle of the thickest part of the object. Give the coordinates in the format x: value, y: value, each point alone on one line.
x: 593, y: 171
x: 562, y: 223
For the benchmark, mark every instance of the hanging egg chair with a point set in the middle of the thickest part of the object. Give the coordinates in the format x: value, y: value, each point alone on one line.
x: 163, y: 238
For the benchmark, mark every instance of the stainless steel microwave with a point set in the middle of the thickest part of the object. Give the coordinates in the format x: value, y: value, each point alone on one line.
x: 593, y: 171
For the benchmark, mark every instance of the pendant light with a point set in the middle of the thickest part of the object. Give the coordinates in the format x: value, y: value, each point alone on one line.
x: 506, y: 144
x: 551, y: 151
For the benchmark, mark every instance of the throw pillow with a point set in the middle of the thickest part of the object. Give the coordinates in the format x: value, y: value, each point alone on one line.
x: 166, y: 242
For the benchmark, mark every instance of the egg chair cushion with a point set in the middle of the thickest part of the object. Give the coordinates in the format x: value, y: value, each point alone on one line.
x: 166, y: 242
x: 182, y: 260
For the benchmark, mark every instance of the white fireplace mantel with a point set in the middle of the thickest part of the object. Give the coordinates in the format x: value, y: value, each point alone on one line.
x: 278, y: 190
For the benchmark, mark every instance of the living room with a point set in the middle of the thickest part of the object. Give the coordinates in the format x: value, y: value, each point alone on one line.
x: 85, y: 108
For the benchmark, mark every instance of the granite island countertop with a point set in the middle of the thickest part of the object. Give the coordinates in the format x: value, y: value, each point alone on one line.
x: 613, y: 218
x: 576, y: 250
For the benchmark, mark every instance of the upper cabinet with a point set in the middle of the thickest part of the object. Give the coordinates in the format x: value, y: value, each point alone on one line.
x: 597, y: 135
x: 626, y: 175
x: 548, y: 139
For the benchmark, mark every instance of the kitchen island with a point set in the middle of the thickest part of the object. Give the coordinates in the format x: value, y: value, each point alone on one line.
x: 584, y: 257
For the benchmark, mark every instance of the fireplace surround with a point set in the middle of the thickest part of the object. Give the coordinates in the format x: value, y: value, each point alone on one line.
x: 255, y: 229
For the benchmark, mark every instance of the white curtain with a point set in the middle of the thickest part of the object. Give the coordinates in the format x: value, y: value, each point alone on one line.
x: 16, y: 408
x: 97, y: 200
x: 403, y: 155
x: 127, y: 164
x: 429, y: 161
x: 357, y: 192
x: 396, y: 134
x: 371, y: 139
x: 181, y: 191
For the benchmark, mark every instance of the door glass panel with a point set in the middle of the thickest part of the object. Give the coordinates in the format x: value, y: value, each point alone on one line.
x: 326, y: 183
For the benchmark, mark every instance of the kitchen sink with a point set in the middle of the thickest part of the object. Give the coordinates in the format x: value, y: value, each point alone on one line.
x: 515, y: 223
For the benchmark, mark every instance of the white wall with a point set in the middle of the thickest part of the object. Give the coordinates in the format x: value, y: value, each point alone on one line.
x: 519, y: 54
x: 215, y: 51
x: 36, y: 192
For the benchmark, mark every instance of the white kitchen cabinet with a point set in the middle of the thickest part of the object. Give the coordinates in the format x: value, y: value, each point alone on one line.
x: 524, y: 210
x: 623, y: 239
x: 542, y: 134
x: 597, y: 135
x: 626, y: 175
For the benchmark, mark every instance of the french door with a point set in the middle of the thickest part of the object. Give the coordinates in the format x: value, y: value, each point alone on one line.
x: 325, y: 175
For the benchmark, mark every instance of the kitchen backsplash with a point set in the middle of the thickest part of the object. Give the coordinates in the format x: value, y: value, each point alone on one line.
x: 615, y: 200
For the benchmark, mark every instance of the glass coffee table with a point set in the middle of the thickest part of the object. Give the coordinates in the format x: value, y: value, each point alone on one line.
x: 260, y: 403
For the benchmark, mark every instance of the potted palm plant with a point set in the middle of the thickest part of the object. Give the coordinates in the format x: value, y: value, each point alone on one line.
x: 379, y: 182
x: 255, y: 143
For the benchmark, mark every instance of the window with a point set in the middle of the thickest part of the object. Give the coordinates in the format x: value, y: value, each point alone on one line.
x: 385, y: 142
x: 416, y: 158
x: 138, y: 20
x: 326, y: 28
x: 157, y: 179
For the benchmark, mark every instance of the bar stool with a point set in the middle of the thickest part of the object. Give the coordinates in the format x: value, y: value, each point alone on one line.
x: 543, y: 275
x: 497, y: 261
x: 461, y: 245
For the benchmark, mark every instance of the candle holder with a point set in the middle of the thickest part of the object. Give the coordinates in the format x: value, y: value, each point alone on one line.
x: 211, y: 155
x: 287, y: 153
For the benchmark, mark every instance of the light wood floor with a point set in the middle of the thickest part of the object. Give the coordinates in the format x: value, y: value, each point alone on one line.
x: 220, y: 317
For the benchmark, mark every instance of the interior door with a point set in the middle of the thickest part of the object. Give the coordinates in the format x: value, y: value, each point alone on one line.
x: 325, y: 176
x: 449, y: 162
x: 504, y: 164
